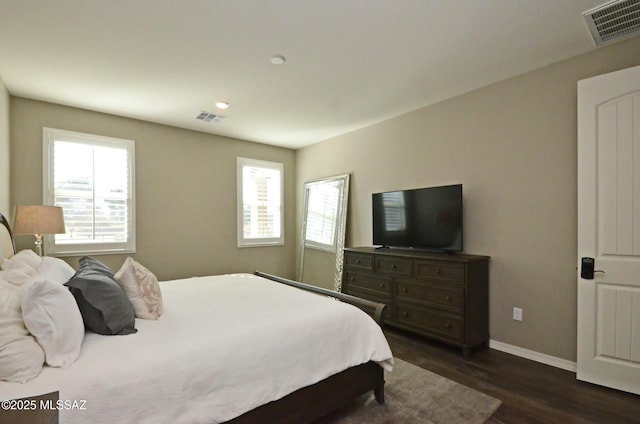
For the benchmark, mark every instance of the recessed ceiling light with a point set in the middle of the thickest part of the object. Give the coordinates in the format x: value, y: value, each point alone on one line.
x: 222, y: 105
x: 277, y: 59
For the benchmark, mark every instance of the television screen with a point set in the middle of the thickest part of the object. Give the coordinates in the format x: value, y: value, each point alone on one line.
x: 425, y: 218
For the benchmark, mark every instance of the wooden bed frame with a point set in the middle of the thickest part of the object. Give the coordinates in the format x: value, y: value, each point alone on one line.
x: 302, y: 406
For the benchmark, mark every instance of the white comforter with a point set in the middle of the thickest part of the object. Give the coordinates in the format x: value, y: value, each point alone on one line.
x: 224, y: 345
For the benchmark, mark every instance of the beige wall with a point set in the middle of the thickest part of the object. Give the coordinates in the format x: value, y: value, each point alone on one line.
x: 513, y: 147
x: 5, y: 204
x: 185, y: 188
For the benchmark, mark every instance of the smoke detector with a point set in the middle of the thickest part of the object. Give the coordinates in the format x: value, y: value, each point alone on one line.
x: 209, y: 117
x: 614, y: 21
x: 277, y: 59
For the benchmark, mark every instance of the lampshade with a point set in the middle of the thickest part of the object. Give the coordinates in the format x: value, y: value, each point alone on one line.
x: 38, y: 219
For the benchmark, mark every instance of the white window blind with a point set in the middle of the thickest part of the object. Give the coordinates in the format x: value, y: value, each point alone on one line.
x: 259, y: 203
x: 322, y: 206
x: 91, y: 178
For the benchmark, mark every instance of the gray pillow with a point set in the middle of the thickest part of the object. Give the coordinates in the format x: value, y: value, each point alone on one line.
x: 104, y: 306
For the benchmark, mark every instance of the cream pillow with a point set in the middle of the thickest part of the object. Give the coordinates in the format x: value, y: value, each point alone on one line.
x: 142, y: 289
x: 21, y: 357
x: 52, y: 316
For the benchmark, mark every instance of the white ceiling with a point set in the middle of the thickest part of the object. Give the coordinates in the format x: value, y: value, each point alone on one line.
x: 350, y: 63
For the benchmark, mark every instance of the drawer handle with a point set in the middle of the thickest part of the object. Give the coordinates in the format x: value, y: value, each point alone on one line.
x: 357, y: 261
x: 393, y: 266
x: 448, y: 325
x: 381, y: 285
x: 405, y: 290
x: 447, y: 298
x: 353, y: 279
x: 405, y: 314
x: 438, y: 272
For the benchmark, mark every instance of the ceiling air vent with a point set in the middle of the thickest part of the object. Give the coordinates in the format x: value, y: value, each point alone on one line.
x: 209, y: 117
x: 614, y: 21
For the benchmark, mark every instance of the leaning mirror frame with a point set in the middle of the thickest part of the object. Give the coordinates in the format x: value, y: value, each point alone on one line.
x: 340, y: 223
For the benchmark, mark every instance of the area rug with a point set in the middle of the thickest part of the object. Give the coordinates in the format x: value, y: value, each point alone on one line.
x: 415, y: 395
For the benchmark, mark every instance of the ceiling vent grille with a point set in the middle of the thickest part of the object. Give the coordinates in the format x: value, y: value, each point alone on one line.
x: 614, y: 21
x: 209, y: 117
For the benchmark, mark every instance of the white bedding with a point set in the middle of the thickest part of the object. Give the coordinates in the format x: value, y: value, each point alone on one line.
x: 224, y: 345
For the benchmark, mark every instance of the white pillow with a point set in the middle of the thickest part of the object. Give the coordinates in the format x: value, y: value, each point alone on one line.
x: 18, y: 275
x: 22, y: 258
x: 21, y: 357
x: 142, y: 289
x: 51, y: 314
x: 50, y: 269
x: 54, y: 270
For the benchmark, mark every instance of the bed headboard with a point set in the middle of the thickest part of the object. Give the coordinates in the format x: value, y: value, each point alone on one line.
x: 7, y: 245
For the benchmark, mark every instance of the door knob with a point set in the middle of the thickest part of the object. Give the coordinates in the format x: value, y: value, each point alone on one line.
x: 588, y: 268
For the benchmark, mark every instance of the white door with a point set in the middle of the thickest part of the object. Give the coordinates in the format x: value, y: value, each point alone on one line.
x: 609, y: 229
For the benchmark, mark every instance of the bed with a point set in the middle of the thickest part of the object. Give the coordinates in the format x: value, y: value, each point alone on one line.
x: 224, y: 350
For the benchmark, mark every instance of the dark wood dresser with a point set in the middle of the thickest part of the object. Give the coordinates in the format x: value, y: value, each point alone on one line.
x: 441, y: 296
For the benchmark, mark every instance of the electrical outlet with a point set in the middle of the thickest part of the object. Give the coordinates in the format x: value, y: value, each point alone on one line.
x: 517, y: 314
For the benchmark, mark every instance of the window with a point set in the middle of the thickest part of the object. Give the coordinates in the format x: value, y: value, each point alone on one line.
x: 259, y: 203
x: 92, y: 178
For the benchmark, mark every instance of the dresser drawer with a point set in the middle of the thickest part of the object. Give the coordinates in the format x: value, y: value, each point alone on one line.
x: 443, y: 325
x: 360, y: 282
x: 394, y: 266
x: 432, y: 270
x: 356, y: 261
x: 374, y: 297
x: 449, y: 298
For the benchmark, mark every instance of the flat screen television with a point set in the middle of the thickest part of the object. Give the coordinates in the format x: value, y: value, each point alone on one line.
x: 425, y: 218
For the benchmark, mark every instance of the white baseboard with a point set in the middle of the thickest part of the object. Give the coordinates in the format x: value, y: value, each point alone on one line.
x: 533, y: 355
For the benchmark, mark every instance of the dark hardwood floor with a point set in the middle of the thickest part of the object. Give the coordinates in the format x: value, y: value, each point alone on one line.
x: 530, y: 392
